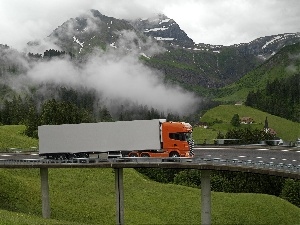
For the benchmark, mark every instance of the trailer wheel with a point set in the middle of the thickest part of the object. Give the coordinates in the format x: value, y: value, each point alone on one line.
x: 133, y: 155
x: 174, y: 154
x: 145, y: 155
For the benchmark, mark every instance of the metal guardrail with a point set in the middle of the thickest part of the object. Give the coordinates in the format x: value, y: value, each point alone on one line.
x: 289, y: 168
x: 18, y: 150
x: 253, y: 165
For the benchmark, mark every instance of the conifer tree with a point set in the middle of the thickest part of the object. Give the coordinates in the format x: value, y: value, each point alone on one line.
x: 235, y: 121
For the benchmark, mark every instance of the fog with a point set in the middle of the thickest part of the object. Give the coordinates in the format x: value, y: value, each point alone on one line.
x: 117, y: 75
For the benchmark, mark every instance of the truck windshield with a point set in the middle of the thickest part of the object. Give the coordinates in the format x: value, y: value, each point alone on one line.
x: 181, y: 136
x: 188, y: 136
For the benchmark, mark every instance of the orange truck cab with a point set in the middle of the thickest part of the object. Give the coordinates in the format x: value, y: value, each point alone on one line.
x: 176, y: 141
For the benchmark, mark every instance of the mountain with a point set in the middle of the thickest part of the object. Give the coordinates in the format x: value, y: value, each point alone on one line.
x: 97, y: 30
x: 281, y: 65
x: 198, y: 67
x: 214, y: 66
x: 204, y: 69
x: 194, y: 66
x: 84, y: 33
x: 265, y: 47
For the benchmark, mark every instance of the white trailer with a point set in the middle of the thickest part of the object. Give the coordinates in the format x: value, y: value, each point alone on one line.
x: 80, y: 140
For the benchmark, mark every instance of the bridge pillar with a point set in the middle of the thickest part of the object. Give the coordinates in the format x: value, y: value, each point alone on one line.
x: 45, y: 193
x: 205, y: 198
x: 119, y: 196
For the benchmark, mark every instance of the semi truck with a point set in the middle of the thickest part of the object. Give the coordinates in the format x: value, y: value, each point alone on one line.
x: 137, y: 138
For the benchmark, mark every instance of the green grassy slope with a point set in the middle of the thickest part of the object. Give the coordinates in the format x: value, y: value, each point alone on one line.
x: 283, y: 64
x: 198, y: 70
x: 222, y: 115
x: 13, y: 218
x: 13, y: 137
x: 86, y: 196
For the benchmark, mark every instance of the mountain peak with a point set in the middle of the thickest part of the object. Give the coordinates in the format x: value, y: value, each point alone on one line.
x: 162, y: 28
x: 96, y: 13
x: 89, y: 30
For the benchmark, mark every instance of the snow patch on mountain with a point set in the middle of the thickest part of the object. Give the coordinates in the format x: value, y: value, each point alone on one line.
x: 164, y: 39
x: 164, y: 21
x: 77, y: 41
x: 277, y: 38
x: 113, y: 45
x: 156, y: 29
x: 143, y: 54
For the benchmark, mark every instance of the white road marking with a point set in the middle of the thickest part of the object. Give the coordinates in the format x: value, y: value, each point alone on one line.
x: 242, y: 156
x: 284, y: 159
x: 285, y: 150
x: 259, y: 157
x: 262, y: 149
x: 5, y: 155
x: 272, y: 158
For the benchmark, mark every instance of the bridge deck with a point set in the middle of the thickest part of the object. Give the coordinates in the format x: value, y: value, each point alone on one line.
x: 289, y: 171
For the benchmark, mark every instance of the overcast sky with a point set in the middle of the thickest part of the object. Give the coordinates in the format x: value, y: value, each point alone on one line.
x: 223, y: 22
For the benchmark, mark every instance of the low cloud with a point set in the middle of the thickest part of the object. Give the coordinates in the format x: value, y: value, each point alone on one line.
x: 123, y: 79
x: 117, y: 74
x: 293, y: 68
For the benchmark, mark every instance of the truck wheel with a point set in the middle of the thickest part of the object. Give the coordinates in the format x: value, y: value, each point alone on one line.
x: 174, y: 154
x: 145, y: 155
x: 133, y: 155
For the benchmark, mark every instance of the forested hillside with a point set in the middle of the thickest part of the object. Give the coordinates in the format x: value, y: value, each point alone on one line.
x: 281, y: 97
x: 281, y: 66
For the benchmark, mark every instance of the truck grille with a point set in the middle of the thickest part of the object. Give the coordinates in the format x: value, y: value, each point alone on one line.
x: 191, y: 146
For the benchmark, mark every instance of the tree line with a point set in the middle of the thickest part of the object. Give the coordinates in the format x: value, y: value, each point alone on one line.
x: 280, y: 97
x: 48, y: 54
x: 246, y: 136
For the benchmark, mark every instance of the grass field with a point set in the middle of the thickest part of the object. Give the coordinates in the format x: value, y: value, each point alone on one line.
x: 12, y: 137
x: 221, y: 116
x: 86, y: 196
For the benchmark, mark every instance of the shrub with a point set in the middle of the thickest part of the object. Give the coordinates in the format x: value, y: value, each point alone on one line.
x: 191, y: 178
x: 291, y: 191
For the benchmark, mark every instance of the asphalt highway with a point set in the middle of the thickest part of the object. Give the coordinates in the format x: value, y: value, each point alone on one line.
x: 266, y: 154
x: 19, y: 155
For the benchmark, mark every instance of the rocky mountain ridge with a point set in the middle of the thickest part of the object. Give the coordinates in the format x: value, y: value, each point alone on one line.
x: 88, y: 31
x: 165, y: 29
x: 162, y: 28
